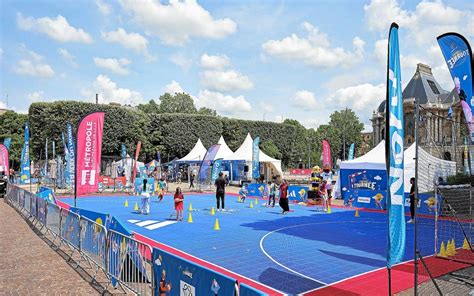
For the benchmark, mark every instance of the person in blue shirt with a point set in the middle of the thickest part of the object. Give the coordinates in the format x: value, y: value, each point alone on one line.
x: 243, y: 193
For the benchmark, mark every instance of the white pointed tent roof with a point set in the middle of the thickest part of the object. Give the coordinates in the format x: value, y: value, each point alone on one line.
x: 245, y: 153
x: 196, y: 154
x: 224, y: 150
x: 372, y: 160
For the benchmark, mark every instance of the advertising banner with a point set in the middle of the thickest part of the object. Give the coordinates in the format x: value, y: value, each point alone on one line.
x: 257, y: 189
x: 327, y: 154
x: 7, y: 142
x: 41, y: 208
x: 137, y: 152
x: 25, y: 174
x: 204, y: 170
x: 249, y: 291
x: 426, y: 205
x: 301, y: 172
x: 4, y: 161
x: 255, y: 158
x: 216, y: 169
x: 71, y: 152
x: 298, y: 193
x: 45, y: 170
x: 351, y: 152
x: 66, y: 175
x: 394, y: 153
x: 89, y: 146
x: 108, y: 182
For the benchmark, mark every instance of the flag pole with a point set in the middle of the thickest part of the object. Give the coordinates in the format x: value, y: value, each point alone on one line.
x: 415, y: 220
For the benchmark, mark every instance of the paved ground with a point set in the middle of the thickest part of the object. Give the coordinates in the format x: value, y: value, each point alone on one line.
x: 28, y: 266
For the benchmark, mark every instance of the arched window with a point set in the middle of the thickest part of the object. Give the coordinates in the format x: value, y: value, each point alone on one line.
x: 447, y: 155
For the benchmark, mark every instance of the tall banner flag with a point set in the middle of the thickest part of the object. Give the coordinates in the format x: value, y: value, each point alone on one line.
x: 89, y: 146
x: 137, y: 152
x: 466, y: 159
x: 458, y: 56
x: 351, y: 152
x: 327, y: 154
x: 66, y: 174
x: 394, y: 153
x: 204, y: 175
x: 72, y: 153
x: 7, y: 142
x: 45, y: 172
x: 54, y: 149
x: 4, y: 161
x: 25, y: 173
x: 255, y: 158
x: 123, y: 154
x: 216, y: 169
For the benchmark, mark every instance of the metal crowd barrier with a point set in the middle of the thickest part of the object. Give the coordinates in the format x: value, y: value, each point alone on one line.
x: 123, y: 259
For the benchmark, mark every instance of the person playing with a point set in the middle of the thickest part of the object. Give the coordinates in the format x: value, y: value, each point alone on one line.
x: 220, y: 191
x: 145, y: 198
x: 178, y: 204
x: 162, y: 190
x: 323, y: 192
x: 284, y: 197
x: 271, y: 198
x: 243, y: 193
x: 191, y: 181
x: 178, y: 177
x: 164, y: 286
x: 412, y: 200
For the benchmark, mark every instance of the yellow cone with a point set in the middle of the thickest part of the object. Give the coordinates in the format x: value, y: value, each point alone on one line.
x: 251, y: 204
x: 356, y: 213
x: 238, y: 199
x: 126, y: 203
x: 450, y: 249
x: 442, y: 251
x: 465, y: 245
x: 190, y: 218
x: 213, y: 212
x: 216, y: 225
x: 453, y: 247
x: 190, y: 207
x: 256, y: 201
x: 136, y: 207
x: 329, y: 210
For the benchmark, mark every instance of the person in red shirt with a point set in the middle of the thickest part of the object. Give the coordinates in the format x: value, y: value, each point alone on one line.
x: 178, y: 204
x: 284, y: 197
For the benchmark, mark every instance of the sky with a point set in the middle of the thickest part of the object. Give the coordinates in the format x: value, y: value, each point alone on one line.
x: 259, y: 60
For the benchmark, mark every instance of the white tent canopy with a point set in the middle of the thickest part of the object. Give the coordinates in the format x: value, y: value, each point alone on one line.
x: 196, y: 154
x: 245, y: 153
x: 129, y: 162
x: 430, y: 168
x: 224, y: 150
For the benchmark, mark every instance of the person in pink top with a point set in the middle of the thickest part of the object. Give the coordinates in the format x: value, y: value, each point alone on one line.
x: 178, y: 204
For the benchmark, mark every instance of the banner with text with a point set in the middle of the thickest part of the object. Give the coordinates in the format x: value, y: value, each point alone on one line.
x: 25, y: 173
x: 204, y: 170
x: 255, y: 158
x: 4, y: 161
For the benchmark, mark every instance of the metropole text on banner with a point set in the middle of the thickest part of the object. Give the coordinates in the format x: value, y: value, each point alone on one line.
x: 204, y: 174
x: 326, y: 153
x: 255, y: 158
x: 25, y: 158
x: 394, y: 153
x: 4, y: 161
x: 89, y: 146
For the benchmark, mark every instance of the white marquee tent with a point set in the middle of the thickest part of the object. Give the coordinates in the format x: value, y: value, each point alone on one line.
x: 129, y: 162
x: 245, y: 153
x: 196, y: 154
x: 430, y: 167
x: 224, y: 151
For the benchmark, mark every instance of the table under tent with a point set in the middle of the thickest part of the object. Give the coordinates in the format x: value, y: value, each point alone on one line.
x: 363, y: 180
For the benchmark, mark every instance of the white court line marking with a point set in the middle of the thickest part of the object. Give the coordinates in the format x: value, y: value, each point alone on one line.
x: 146, y: 222
x: 158, y: 225
x: 293, y: 226
x: 133, y: 221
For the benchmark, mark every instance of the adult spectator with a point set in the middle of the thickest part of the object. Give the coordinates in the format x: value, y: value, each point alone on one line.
x: 412, y: 200
x: 284, y: 197
x: 220, y: 191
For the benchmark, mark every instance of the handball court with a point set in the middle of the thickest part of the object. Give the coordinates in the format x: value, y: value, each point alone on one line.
x: 307, y: 251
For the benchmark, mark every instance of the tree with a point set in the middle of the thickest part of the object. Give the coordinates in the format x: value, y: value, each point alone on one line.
x: 12, y: 125
x: 270, y: 149
x: 207, y: 111
x: 150, y: 107
x: 177, y: 103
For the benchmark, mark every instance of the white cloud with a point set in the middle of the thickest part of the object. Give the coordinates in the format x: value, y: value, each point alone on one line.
x: 362, y: 98
x: 424, y: 24
x: 214, y: 62
x: 103, y: 7
x: 224, y: 104
x: 117, y: 66
x: 133, y: 41
x: 181, y: 61
x: 33, y: 68
x: 35, y: 96
x: 68, y: 57
x: 56, y: 28
x: 305, y: 100
x: 30, y: 54
x: 177, y: 22
x: 314, y: 49
x: 110, y: 92
x: 225, y: 80
x: 266, y: 107
x: 173, y: 87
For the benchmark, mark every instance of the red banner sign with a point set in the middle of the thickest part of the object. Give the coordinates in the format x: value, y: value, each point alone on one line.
x: 326, y: 154
x: 139, y: 145
x: 89, y: 148
x: 301, y: 172
x: 109, y: 182
x: 4, y: 162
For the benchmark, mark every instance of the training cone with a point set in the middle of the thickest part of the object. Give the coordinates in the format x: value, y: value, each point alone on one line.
x: 442, y: 251
x: 251, y: 204
x: 356, y: 213
x: 190, y: 218
x: 136, y: 207
x: 465, y: 245
x: 213, y: 212
x: 216, y: 225
x: 190, y: 207
x: 126, y: 203
x: 329, y: 210
x: 256, y: 201
x: 453, y: 247
x: 238, y: 199
x: 450, y: 249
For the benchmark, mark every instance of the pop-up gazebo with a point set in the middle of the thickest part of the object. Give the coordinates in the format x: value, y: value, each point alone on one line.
x: 196, y: 154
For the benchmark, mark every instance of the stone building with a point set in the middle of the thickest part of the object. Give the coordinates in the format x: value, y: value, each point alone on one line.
x: 438, y: 134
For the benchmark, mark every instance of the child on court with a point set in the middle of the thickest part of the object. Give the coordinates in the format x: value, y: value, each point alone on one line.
x: 243, y: 193
x: 271, y: 199
x: 162, y: 189
x: 178, y: 204
x: 324, y: 195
